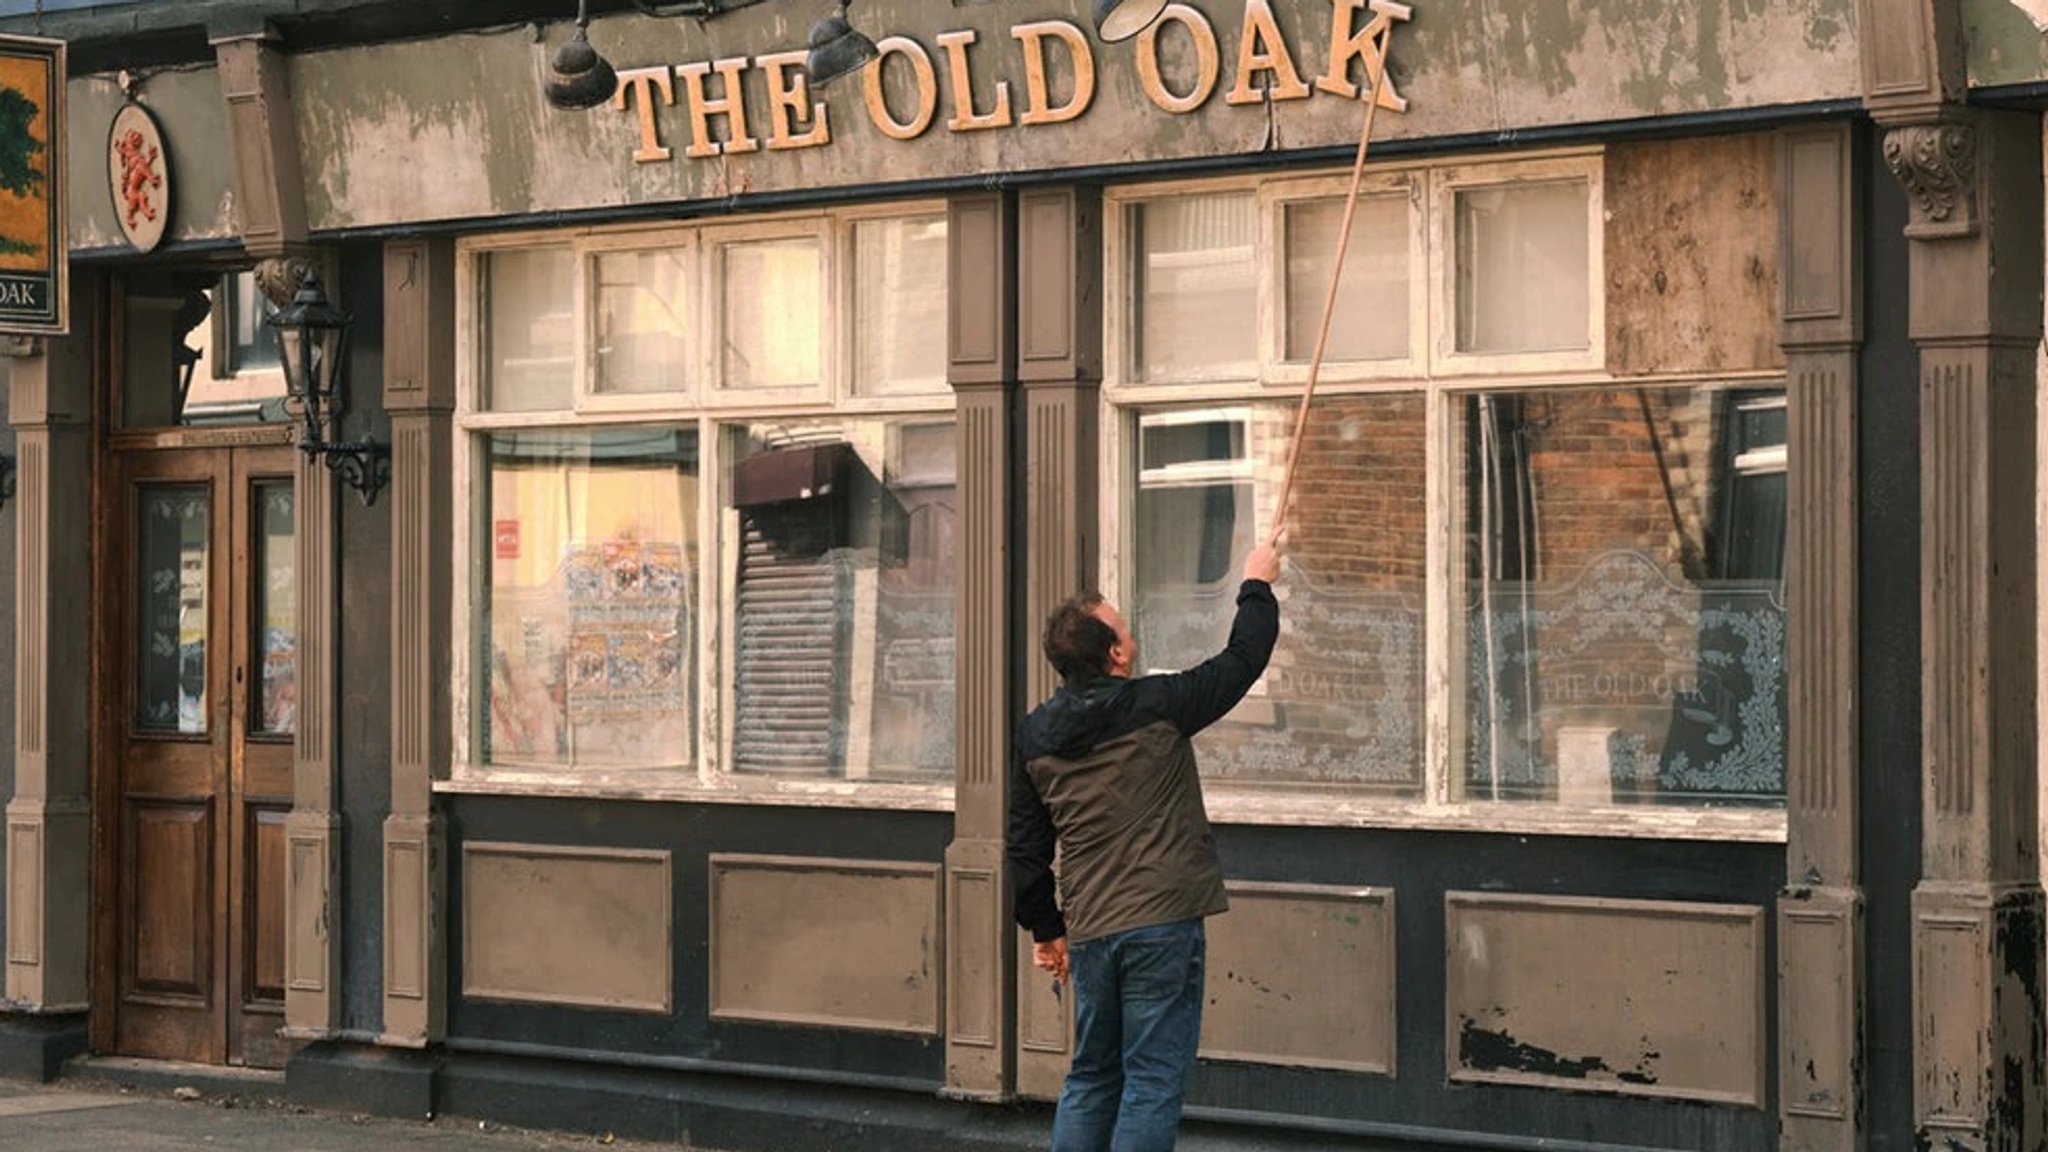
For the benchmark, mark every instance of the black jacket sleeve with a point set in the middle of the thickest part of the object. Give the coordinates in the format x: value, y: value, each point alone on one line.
x: 1030, y: 842
x: 1203, y: 694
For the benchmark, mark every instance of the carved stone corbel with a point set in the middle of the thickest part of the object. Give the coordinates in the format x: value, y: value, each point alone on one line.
x: 1937, y: 165
x: 280, y: 276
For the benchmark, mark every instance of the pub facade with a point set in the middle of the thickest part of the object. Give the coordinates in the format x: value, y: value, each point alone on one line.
x: 1649, y: 759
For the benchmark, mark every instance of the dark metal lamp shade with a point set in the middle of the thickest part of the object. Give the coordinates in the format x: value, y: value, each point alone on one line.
x: 837, y: 49
x: 309, y: 342
x: 578, y: 77
x: 1122, y: 19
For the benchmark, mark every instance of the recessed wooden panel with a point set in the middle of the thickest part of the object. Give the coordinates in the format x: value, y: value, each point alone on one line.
x: 264, y: 892
x: 583, y: 926
x: 1646, y: 998
x: 974, y: 1004
x: 1818, y: 970
x: 306, y: 955
x: 1952, y: 1003
x: 169, y: 858
x: 25, y: 893
x: 1303, y: 975
x: 833, y: 943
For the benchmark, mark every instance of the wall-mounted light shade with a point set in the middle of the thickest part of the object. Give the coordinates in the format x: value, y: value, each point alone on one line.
x: 837, y: 49
x: 1122, y: 19
x: 578, y: 77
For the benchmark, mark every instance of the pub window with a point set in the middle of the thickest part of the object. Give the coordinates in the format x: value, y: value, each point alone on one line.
x: 711, y: 539
x: 1510, y: 585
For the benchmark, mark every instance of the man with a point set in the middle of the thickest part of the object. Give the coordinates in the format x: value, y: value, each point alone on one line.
x: 1105, y: 771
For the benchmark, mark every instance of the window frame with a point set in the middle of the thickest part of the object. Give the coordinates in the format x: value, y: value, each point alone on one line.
x: 1442, y: 382
x: 707, y: 779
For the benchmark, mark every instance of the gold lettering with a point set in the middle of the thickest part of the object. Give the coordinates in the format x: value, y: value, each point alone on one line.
x: 732, y: 105
x: 1263, y: 49
x: 1208, y: 60
x: 789, y: 100
x: 927, y: 89
x: 1039, y: 97
x: 1346, y: 46
x: 642, y: 84
x: 965, y: 118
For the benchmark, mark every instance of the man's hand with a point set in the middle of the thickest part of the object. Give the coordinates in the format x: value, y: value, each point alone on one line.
x: 1051, y: 955
x: 1263, y: 564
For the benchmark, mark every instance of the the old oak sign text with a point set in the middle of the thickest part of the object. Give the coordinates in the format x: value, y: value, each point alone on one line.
x: 1256, y: 61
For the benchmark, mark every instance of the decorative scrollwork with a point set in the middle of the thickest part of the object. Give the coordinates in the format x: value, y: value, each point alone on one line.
x: 1936, y: 164
x: 279, y: 278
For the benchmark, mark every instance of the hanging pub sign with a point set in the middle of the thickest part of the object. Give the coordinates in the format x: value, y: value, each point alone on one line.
x: 139, y: 176
x: 33, y: 296
x: 1182, y: 62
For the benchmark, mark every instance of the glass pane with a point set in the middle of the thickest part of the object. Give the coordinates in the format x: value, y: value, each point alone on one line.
x: 1194, y: 442
x: 843, y: 598
x: 774, y: 315
x: 277, y: 612
x: 1623, y: 601
x: 1196, y: 288
x: 1522, y: 267
x: 529, y: 330
x: 589, y: 590
x: 899, y: 301
x: 643, y: 321
x: 1342, y: 702
x: 171, y: 552
x: 255, y: 341
x: 1371, y: 322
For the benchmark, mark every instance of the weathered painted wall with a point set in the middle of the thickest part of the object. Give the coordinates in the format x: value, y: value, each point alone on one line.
x: 2005, y: 44
x: 6, y: 639
x: 187, y: 104
x: 456, y: 127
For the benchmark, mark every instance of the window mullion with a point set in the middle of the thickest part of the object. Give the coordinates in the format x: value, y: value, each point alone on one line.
x: 1437, y: 560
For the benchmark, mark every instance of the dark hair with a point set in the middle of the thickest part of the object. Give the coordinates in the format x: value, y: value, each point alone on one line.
x: 1077, y: 641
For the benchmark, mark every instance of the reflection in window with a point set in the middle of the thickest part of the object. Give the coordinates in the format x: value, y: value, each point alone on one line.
x: 529, y: 329
x: 773, y: 335
x: 587, y: 605
x: 252, y: 342
x: 899, y: 304
x: 172, y: 558
x: 643, y: 323
x: 842, y: 652
x: 1372, y: 322
x: 1623, y: 599
x: 1523, y: 258
x: 1194, y: 286
x: 277, y: 612
x: 1342, y: 702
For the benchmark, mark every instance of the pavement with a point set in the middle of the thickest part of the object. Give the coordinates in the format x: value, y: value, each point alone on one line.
x: 112, y: 1117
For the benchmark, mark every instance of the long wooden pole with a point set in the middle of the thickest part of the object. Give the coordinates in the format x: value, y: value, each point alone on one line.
x: 1315, y: 364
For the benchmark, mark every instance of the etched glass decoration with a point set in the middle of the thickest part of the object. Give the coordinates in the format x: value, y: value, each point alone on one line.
x: 1623, y: 599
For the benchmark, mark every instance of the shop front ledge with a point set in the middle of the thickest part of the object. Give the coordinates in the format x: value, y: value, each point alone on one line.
x: 36, y: 1047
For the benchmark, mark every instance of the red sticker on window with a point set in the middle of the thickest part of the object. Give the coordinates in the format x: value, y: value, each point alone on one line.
x: 505, y: 536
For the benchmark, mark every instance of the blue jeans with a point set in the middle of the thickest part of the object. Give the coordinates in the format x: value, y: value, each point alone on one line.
x: 1138, y: 1011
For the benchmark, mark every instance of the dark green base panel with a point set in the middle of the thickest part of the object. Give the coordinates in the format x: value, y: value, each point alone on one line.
x: 36, y: 1047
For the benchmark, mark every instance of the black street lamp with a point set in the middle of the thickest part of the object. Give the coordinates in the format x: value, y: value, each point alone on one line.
x: 6, y: 480
x: 312, y: 340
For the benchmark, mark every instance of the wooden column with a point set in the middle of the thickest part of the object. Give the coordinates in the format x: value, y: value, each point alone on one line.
x: 1820, y: 912
x: 1059, y: 331
x: 980, y: 963
x: 49, y: 835
x: 263, y: 139
x: 419, y: 394
x: 1974, y: 185
x: 313, y: 828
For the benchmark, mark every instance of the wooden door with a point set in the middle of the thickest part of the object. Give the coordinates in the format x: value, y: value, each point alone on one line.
x: 202, y: 744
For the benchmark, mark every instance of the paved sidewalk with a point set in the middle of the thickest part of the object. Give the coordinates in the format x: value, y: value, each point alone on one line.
x: 69, y: 1117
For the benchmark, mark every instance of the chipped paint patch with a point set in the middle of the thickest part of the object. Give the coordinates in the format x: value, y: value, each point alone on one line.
x: 1496, y: 1050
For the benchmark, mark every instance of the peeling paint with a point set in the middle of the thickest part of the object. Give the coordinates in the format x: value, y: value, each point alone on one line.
x: 1496, y: 1050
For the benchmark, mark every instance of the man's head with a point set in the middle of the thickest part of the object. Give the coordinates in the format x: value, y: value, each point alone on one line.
x: 1086, y: 638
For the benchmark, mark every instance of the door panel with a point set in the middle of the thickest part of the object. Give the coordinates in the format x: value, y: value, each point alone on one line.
x: 265, y: 610
x: 172, y: 849
x: 203, y: 744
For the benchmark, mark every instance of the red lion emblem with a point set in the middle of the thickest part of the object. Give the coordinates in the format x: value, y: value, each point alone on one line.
x: 138, y: 162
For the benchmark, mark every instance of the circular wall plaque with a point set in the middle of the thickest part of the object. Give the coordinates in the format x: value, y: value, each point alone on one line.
x: 139, y: 176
